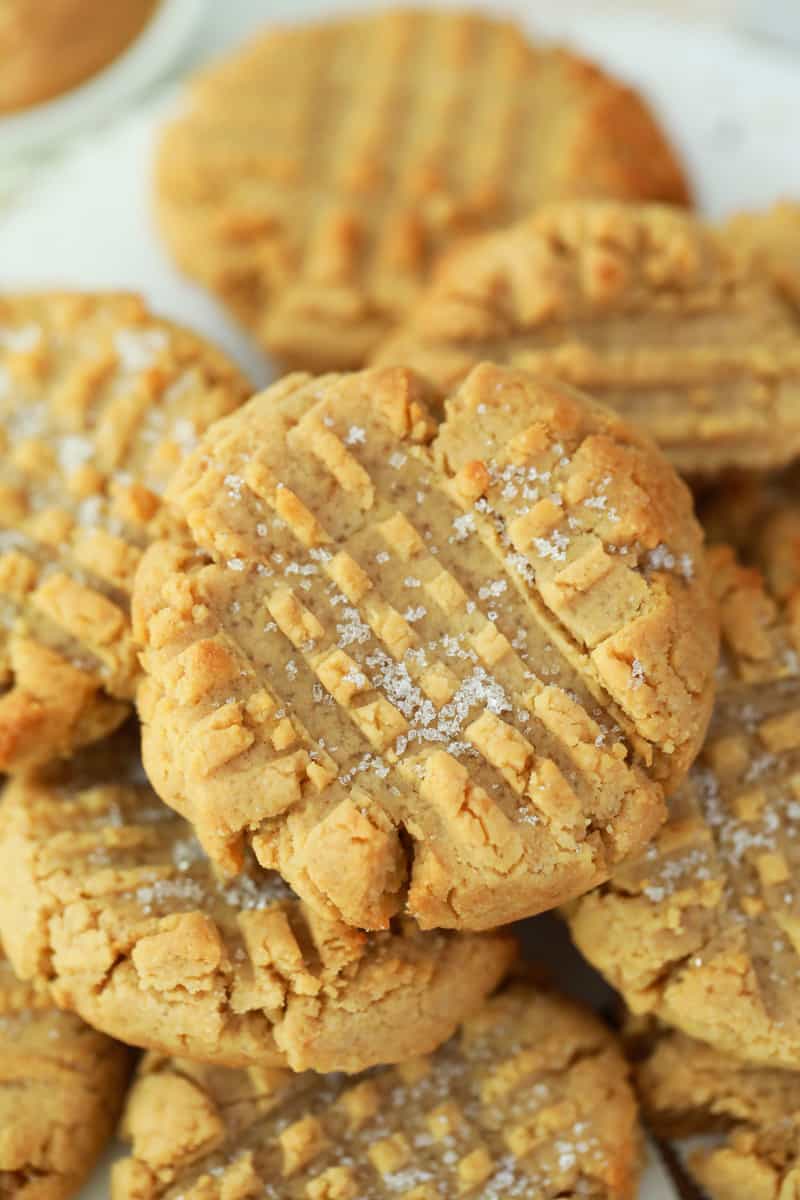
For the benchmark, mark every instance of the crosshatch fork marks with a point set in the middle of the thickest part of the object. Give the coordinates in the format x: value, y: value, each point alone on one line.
x: 315, y: 175
x: 530, y: 1098
x: 108, y: 900
x: 99, y: 401
x: 476, y: 628
x: 672, y: 322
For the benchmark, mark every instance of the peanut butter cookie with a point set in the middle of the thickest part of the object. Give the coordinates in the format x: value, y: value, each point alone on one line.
x: 703, y: 929
x: 61, y: 1090
x: 445, y: 673
x: 759, y: 516
x: 666, y: 319
x: 773, y: 237
x: 530, y: 1099
x: 99, y: 401
x: 318, y: 171
x: 689, y: 1088
x: 108, y: 899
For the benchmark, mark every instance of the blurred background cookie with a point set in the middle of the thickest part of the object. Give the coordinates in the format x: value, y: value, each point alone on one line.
x: 107, y: 898
x: 99, y: 402
x: 530, y: 1098
x: 50, y: 46
x: 675, y: 324
x: 447, y: 673
x: 61, y: 1092
x: 749, y: 1116
x: 318, y: 171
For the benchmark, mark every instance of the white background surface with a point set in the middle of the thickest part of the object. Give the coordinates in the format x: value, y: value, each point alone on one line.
x: 730, y: 101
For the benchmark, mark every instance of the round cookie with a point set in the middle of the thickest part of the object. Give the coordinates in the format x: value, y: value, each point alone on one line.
x: 50, y: 46
x: 61, y: 1090
x: 530, y: 1099
x: 655, y: 313
x: 445, y: 673
x: 107, y: 898
x: 688, y: 1088
x: 703, y: 929
x: 99, y: 401
x: 316, y: 173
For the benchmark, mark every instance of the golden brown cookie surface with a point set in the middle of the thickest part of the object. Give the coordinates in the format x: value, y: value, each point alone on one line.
x: 759, y: 516
x: 773, y: 236
x: 703, y: 930
x: 99, y: 402
x: 675, y: 324
x: 107, y: 897
x: 688, y: 1088
x: 61, y: 1090
x: 530, y: 1099
x: 440, y: 674
x: 318, y: 171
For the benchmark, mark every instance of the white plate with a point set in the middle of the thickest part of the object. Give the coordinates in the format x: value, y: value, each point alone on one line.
x: 730, y: 102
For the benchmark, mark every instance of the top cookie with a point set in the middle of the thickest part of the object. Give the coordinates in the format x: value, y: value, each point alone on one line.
x: 99, y: 401
x: 319, y: 170
x: 704, y: 928
x: 441, y: 673
x: 530, y: 1099
x: 61, y: 1090
x: 675, y: 324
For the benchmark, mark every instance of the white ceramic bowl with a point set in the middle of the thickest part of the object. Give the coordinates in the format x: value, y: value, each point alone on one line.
x: 166, y: 36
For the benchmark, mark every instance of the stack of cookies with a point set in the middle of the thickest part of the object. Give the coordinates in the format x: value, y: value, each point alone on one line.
x: 309, y: 696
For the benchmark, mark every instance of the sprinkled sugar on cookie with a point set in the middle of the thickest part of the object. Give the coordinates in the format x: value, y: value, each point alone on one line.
x: 530, y: 1099
x: 99, y: 402
x: 314, y: 176
x: 446, y: 674
x: 703, y: 929
x: 107, y: 898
